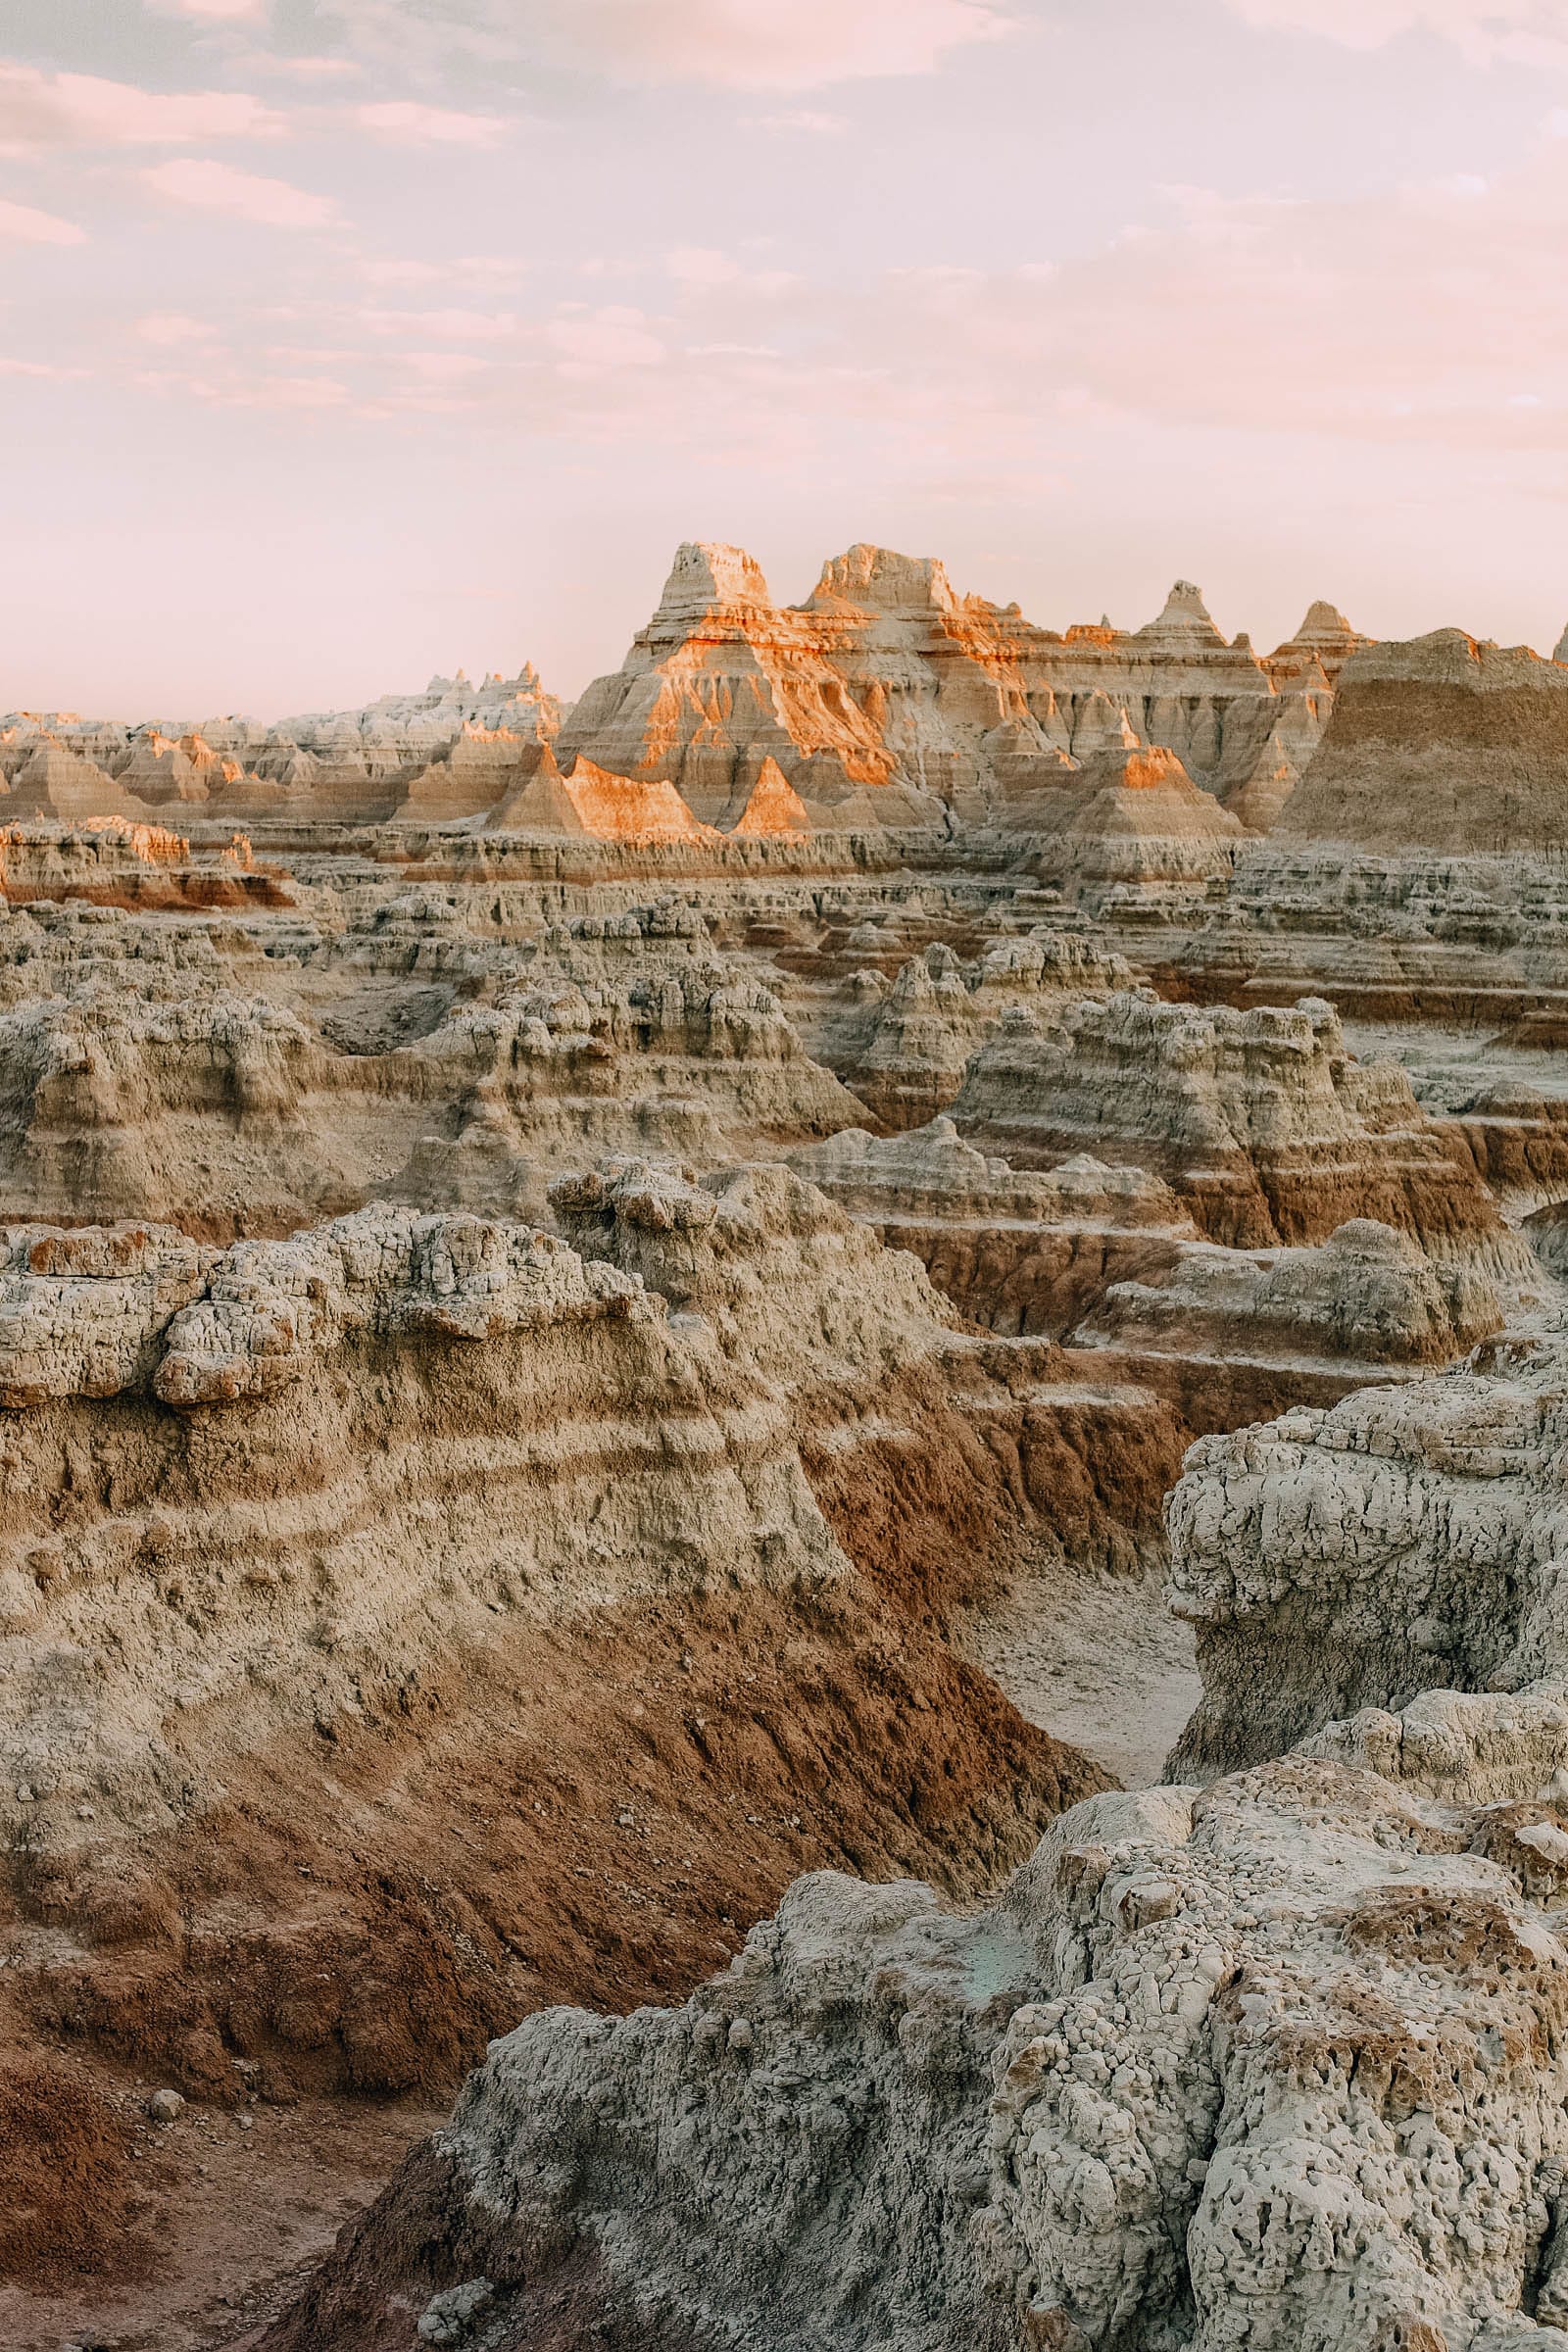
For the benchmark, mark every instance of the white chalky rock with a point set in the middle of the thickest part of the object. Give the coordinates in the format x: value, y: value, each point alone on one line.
x: 1278, y: 2066
x: 1334, y: 1562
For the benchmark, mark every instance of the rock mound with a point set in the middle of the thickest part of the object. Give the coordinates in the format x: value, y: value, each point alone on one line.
x: 1408, y: 1538
x: 1267, y: 1127
x: 1441, y: 742
x: 1210, y: 2071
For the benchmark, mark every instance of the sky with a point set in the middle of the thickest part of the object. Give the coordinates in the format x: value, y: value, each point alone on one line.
x: 344, y: 341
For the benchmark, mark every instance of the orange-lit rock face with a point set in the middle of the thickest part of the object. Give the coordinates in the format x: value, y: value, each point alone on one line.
x: 1146, y: 770
x: 628, y: 809
x: 887, y: 680
x: 886, y: 699
x: 774, y: 809
x: 721, y: 681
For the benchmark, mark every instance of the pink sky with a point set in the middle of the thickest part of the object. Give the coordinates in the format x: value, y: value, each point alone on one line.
x: 330, y: 361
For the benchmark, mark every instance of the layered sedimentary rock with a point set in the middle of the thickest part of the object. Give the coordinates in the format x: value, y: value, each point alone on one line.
x: 1367, y: 1293
x: 1230, y: 1336
x: 421, y: 1616
x: 889, y: 689
x: 721, y: 681
x: 1212, y: 2071
x: 1320, y: 647
x: 438, y: 756
x: 1132, y: 825
x: 1267, y: 1127
x: 1441, y: 742
x: 903, y: 1047
x: 157, y: 1088
x: 886, y: 700
x: 1410, y: 1539
x: 1018, y: 1253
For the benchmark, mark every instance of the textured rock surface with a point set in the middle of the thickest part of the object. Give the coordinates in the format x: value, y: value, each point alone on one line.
x: 1367, y: 1295
x: 1442, y: 742
x: 1212, y: 2072
x: 903, y: 1047
x: 1134, y: 822
x: 1019, y: 1253
x: 1410, y: 1539
x: 1268, y: 1130
x: 307, y: 1542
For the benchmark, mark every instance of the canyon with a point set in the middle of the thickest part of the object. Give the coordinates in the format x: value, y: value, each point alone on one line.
x: 782, y: 1525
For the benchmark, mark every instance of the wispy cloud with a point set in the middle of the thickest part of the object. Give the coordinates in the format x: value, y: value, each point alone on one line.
x: 729, y: 44
x: 1528, y: 31
x: 758, y: 45
x: 68, y: 110
x: 805, y: 120
x: 411, y: 124
x: 171, y: 328
x: 703, y: 268
x: 210, y: 186
x: 213, y: 11
x: 457, y: 326
x: 24, y: 225
x: 608, y: 339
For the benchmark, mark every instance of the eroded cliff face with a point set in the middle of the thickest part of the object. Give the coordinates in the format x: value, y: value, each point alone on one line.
x: 1407, y: 1539
x: 396, y: 1615
x: 1264, y: 1125
x: 1441, y: 742
x: 1211, y: 2070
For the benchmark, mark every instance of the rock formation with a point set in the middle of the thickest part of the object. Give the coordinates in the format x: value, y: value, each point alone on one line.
x: 1018, y: 1253
x: 1442, y: 742
x: 1411, y: 1539
x: 1133, y: 824
x: 888, y: 686
x: 602, y: 1310
x: 1267, y: 1129
x: 904, y: 1048
x: 1211, y: 2070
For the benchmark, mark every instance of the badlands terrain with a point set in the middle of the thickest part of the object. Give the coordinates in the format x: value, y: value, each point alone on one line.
x: 785, y: 1497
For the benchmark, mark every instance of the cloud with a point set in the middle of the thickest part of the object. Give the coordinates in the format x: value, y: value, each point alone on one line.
x: 612, y: 338
x: 471, y: 271
x: 210, y: 186
x: 408, y: 123
x: 1523, y: 31
x: 43, y: 370
x: 446, y: 325
x: 213, y: 11
x: 759, y: 45
x: 804, y: 118
x: 67, y: 110
x: 24, y: 225
x: 302, y: 68
x: 171, y: 328
x: 702, y: 267
x: 729, y: 45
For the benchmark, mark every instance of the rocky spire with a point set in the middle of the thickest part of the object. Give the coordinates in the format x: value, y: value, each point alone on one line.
x: 707, y: 575
x: 1185, y: 616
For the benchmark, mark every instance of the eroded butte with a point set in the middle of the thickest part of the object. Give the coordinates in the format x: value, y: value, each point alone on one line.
x: 804, y: 1428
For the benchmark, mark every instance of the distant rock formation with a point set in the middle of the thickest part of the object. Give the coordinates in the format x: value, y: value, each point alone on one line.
x: 1267, y: 1127
x: 1441, y: 742
x: 1133, y: 821
x: 886, y: 698
x: 722, y: 681
x: 888, y: 684
x: 1319, y: 648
